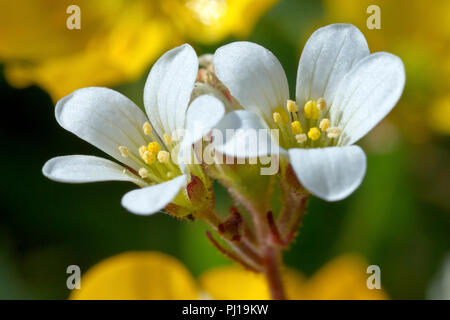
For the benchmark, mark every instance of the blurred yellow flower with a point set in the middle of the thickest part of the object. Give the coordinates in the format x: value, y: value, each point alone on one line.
x: 118, y: 39
x: 153, y: 275
x: 137, y: 276
x: 439, y: 115
x: 418, y: 32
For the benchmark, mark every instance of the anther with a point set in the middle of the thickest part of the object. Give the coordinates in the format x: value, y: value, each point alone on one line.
x: 163, y: 156
x: 167, y: 138
x: 311, y: 110
x: 291, y: 106
x: 333, y: 132
x: 142, y: 150
x: 322, y: 104
x: 301, y: 137
x: 276, y: 117
x: 147, y: 128
x: 153, y: 147
x: 324, y: 124
x: 148, y: 157
x: 314, y: 134
x: 143, y: 173
x: 124, y: 151
x: 296, y: 127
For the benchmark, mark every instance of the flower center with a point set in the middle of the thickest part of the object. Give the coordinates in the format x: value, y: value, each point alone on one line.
x: 154, y: 159
x: 310, y: 129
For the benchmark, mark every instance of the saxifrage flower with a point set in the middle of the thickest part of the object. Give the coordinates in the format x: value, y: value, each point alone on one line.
x: 145, y: 146
x: 342, y: 92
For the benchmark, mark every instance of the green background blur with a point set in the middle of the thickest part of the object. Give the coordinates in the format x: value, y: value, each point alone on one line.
x: 399, y: 219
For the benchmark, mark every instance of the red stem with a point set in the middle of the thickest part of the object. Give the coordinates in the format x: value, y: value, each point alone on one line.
x: 273, y: 273
x: 230, y: 254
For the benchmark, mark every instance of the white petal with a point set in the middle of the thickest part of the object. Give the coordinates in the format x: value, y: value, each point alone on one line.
x: 203, y: 114
x: 80, y: 169
x: 328, y: 55
x: 367, y: 94
x: 152, y: 199
x: 104, y: 118
x: 168, y: 89
x: 253, y: 75
x: 331, y: 173
x: 243, y: 134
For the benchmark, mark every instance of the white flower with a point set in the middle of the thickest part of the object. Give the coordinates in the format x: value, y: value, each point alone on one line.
x: 342, y: 92
x: 115, y: 125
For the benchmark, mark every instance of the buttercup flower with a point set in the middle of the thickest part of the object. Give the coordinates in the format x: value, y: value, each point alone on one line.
x: 145, y: 147
x: 164, y: 277
x: 342, y: 92
x: 117, y: 42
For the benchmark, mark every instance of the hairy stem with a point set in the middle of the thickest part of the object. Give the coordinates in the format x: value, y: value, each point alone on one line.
x: 272, y: 272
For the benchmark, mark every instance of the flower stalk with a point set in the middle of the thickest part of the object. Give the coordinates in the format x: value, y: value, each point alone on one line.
x: 255, y: 238
x: 272, y: 272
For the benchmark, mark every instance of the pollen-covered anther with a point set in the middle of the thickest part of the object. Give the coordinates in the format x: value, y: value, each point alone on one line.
x: 143, y: 173
x: 291, y: 106
x: 148, y: 157
x: 314, y: 133
x: 311, y: 110
x: 142, y: 150
x: 296, y: 127
x: 154, y: 147
x: 333, y: 132
x: 124, y: 151
x: 163, y: 156
x: 149, y: 153
x: 276, y: 117
x: 301, y: 137
x: 322, y: 104
x: 324, y: 124
x: 167, y: 138
x: 147, y: 128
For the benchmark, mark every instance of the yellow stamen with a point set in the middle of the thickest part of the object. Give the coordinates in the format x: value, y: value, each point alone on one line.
x: 142, y: 150
x: 324, y: 124
x: 301, y: 137
x: 276, y: 117
x: 148, y: 157
x: 154, y: 147
x: 284, y: 116
x: 124, y: 151
x: 333, y: 132
x: 147, y: 128
x: 291, y: 106
x: 311, y: 110
x: 163, y: 156
x: 167, y: 138
x: 296, y: 127
x: 143, y: 173
x: 322, y: 104
x: 314, y: 134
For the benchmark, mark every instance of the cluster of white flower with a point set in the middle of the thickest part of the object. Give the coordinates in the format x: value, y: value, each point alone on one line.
x: 342, y: 92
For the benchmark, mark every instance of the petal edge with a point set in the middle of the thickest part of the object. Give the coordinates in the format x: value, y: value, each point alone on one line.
x: 331, y: 174
x: 154, y: 198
